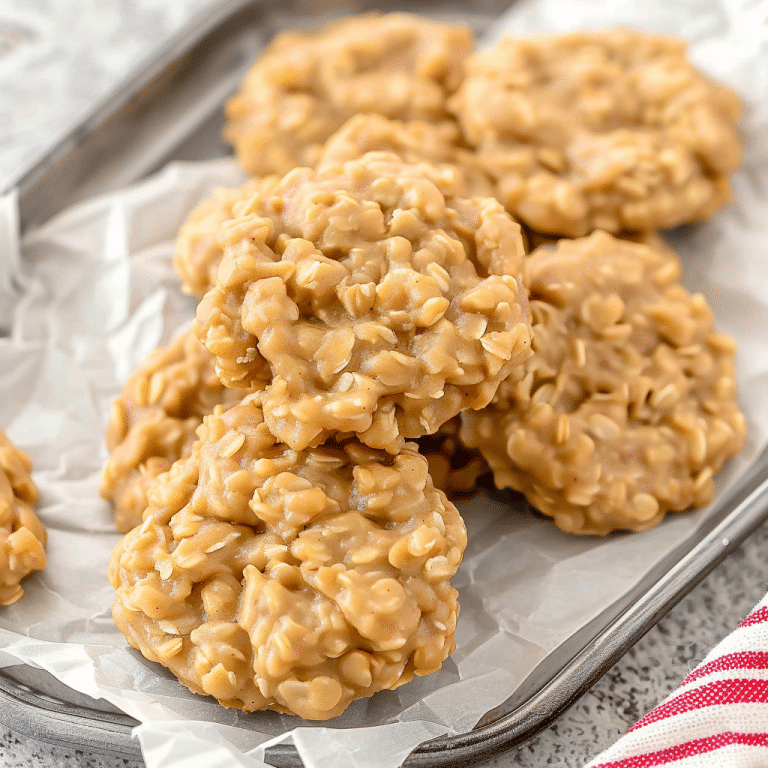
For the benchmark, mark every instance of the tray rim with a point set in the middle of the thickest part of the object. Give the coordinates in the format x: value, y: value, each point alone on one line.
x: 714, y: 540
x: 134, y: 82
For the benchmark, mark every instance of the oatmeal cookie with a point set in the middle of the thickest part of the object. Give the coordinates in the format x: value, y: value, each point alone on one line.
x: 307, y: 84
x: 22, y: 535
x: 382, y: 307
x: 198, y: 252
x: 602, y: 130
x: 415, y: 141
x: 627, y: 407
x: 153, y: 422
x: 297, y: 581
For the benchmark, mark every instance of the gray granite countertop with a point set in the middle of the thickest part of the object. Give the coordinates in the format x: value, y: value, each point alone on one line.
x: 57, y: 59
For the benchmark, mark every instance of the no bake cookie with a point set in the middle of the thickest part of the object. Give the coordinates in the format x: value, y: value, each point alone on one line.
x: 383, y: 306
x: 307, y: 84
x: 153, y: 422
x: 22, y: 535
x: 415, y: 141
x: 627, y: 407
x: 298, y: 581
x: 198, y: 252
x: 611, y: 130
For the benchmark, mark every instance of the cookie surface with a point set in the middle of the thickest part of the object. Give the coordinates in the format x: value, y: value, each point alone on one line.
x: 198, y: 252
x: 153, y: 422
x: 290, y: 580
x: 307, y: 84
x: 382, y: 306
x: 607, y: 130
x: 414, y: 141
x: 22, y: 535
x: 627, y: 407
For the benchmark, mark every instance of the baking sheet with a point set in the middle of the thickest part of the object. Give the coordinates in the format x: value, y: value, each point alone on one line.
x: 93, y: 292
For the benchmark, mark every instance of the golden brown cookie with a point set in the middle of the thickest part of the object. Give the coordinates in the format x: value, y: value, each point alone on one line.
x: 298, y: 581
x: 627, y: 407
x: 22, y: 535
x: 306, y: 85
x: 153, y: 422
x: 382, y: 306
x: 198, y: 252
x: 439, y: 144
x: 607, y: 130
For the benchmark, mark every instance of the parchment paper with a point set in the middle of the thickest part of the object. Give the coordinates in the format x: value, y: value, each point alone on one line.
x: 88, y: 295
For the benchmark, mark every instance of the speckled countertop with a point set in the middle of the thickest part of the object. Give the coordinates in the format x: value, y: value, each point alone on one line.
x: 57, y: 58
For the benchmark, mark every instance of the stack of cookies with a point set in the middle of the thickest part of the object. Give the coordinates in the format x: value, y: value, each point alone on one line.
x: 288, y: 547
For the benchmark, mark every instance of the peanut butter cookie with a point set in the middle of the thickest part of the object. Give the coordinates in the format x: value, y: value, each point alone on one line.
x: 306, y: 85
x: 439, y: 144
x: 383, y: 307
x: 297, y: 581
x: 627, y: 407
x: 607, y: 130
x: 198, y: 251
x: 22, y: 535
x: 153, y: 422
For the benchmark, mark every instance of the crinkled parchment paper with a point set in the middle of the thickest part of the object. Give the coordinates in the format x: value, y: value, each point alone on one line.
x: 89, y: 294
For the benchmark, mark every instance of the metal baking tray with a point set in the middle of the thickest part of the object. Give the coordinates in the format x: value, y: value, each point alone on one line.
x: 172, y: 110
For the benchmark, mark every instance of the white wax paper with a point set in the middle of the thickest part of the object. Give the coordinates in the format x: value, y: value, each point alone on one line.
x: 89, y: 294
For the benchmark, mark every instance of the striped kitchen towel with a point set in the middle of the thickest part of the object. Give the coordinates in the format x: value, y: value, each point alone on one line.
x: 717, y: 718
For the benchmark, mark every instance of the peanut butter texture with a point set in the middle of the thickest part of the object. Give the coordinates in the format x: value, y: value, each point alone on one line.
x: 627, y: 407
x: 306, y: 85
x: 612, y: 130
x: 153, y: 421
x: 298, y: 581
x: 383, y: 305
x: 199, y: 251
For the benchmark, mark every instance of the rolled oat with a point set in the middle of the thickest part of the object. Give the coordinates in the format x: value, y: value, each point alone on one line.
x: 307, y: 84
x: 439, y: 144
x: 153, y: 422
x: 198, y: 252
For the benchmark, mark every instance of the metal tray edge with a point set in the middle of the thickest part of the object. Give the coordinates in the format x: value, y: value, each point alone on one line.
x: 113, y: 102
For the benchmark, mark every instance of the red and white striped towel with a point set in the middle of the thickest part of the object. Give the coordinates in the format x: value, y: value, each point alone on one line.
x: 717, y: 718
